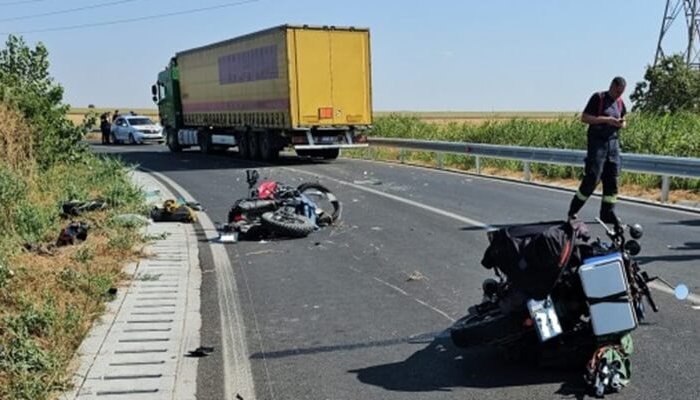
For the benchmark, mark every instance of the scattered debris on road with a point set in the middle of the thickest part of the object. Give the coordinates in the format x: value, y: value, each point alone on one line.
x: 173, y: 211
x: 415, y: 276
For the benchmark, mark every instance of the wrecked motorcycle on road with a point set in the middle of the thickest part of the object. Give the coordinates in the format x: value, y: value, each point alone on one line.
x: 560, y: 297
x: 276, y: 209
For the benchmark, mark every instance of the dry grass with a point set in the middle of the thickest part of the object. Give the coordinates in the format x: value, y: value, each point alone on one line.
x: 67, y: 289
x: 15, y: 140
x: 49, y: 299
x: 77, y: 115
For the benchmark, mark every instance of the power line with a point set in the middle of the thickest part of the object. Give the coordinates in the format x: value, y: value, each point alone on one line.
x: 136, y: 19
x: 67, y: 11
x: 13, y: 3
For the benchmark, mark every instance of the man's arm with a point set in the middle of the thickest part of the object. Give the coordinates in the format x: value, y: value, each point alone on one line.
x: 588, y: 116
x: 603, y: 119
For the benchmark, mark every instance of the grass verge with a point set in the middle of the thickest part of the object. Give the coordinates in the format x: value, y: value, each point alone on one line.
x: 49, y: 298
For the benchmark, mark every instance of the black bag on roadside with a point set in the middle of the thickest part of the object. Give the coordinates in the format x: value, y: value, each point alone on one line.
x: 73, y: 233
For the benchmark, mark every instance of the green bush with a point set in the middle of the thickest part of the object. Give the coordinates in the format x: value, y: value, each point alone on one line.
x: 33, y: 222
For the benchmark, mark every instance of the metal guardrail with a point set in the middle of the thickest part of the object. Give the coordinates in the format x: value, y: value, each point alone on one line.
x: 664, y: 166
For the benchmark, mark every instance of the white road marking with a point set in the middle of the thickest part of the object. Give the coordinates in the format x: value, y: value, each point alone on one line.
x: 535, y: 185
x: 436, y: 310
x: 398, y: 289
x: 426, y: 207
x: 693, y: 298
x: 403, y: 292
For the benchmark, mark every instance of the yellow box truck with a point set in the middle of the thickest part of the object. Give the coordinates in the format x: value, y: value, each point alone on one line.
x: 305, y: 86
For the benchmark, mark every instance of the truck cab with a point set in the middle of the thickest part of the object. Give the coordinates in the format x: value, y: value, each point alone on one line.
x: 166, y: 95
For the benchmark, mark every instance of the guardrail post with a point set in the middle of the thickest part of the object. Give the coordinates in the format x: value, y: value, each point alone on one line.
x: 526, y: 171
x: 402, y: 156
x: 439, y: 160
x: 478, y: 165
x: 665, y: 187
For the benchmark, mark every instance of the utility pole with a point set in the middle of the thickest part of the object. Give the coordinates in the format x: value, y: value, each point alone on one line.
x: 690, y: 10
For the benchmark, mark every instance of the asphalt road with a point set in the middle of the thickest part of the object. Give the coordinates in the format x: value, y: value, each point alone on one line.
x: 359, y: 311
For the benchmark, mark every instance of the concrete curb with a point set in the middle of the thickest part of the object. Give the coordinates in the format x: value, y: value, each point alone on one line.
x: 138, y: 349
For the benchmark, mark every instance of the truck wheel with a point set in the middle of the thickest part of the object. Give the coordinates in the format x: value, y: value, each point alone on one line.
x: 112, y: 138
x: 205, y: 143
x: 173, y: 145
x: 131, y: 139
x: 268, y: 150
x: 243, y: 145
x: 253, y: 145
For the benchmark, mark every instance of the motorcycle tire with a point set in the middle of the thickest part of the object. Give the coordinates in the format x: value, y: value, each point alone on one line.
x: 287, y: 224
x: 481, y: 329
x: 310, y: 187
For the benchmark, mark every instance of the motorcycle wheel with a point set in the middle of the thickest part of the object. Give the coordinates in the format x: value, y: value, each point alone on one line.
x: 323, y: 197
x: 480, y: 329
x: 287, y: 224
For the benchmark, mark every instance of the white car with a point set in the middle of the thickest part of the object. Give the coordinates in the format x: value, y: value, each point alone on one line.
x: 135, y: 129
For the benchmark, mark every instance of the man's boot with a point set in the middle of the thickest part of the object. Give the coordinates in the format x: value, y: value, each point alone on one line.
x: 607, y: 213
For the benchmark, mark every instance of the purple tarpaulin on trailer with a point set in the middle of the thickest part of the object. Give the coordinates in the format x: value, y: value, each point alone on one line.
x: 247, y: 66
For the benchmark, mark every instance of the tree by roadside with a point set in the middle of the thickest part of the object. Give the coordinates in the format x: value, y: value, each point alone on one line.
x: 670, y: 86
x: 27, y: 86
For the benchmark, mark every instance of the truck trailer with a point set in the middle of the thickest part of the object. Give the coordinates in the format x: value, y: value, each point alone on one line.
x: 307, y: 87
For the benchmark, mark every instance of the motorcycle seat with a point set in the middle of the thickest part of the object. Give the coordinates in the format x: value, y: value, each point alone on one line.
x: 257, y: 205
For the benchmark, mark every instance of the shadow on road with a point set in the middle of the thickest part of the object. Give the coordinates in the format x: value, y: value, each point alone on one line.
x: 441, y: 366
x: 159, y: 159
x: 643, y: 260
x: 689, y: 222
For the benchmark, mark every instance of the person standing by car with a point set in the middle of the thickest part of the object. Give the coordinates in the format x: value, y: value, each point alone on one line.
x: 605, y: 116
x: 105, y: 127
x: 115, y: 115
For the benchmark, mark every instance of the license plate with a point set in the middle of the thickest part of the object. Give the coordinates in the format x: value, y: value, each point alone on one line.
x: 328, y: 139
x: 545, y: 318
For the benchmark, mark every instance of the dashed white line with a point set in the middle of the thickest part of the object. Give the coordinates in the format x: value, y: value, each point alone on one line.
x: 398, y: 289
x: 435, y: 309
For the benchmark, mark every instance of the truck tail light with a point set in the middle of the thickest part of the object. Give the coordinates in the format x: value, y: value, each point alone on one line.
x: 325, y: 113
x: 299, y: 139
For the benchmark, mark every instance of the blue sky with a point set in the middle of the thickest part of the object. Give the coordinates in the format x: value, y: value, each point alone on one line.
x: 469, y: 55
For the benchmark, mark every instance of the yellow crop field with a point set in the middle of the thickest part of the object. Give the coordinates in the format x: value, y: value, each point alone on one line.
x: 76, y: 115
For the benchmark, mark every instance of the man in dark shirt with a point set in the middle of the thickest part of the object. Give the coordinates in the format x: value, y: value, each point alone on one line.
x: 105, y: 127
x: 605, y: 116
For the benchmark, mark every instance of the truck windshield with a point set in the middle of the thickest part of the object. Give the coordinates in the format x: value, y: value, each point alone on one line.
x: 140, y: 121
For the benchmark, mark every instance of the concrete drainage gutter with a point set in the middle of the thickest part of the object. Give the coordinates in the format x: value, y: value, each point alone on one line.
x: 138, y: 349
